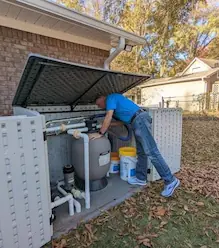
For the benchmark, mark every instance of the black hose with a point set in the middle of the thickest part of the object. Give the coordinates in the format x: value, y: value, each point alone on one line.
x: 128, y: 128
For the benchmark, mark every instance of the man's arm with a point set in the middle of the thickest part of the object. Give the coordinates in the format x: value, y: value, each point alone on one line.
x: 107, y: 121
x: 105, y: 126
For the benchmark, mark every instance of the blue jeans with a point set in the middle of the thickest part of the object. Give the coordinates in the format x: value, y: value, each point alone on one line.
x: 147, y: 148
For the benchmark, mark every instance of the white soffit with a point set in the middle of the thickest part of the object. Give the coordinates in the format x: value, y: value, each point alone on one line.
x: 52, y: 20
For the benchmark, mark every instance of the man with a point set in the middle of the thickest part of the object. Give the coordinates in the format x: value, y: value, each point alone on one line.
x: 128, y: 112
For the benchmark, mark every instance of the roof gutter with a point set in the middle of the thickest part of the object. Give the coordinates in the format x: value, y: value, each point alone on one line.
x: 57, y: 10
x: 170, y: 82
x: 114, y: 54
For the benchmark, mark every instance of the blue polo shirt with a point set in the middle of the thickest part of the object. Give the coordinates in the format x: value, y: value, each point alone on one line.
x: 123, y: 108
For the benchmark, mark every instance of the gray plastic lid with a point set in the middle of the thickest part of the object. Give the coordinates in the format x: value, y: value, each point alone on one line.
x: 47, y: 81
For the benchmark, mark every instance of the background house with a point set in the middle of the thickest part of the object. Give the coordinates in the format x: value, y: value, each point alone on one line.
x: 187, y: 89
x: 45, y: 28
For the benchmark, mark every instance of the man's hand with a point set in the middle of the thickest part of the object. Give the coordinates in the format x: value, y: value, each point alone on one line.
x: 93, y: 136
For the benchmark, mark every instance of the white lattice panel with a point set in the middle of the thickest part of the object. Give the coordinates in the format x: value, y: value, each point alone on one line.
x: 167, y: 131
x: 25, y: 197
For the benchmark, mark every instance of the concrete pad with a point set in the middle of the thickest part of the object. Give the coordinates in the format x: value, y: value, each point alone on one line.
x: 116, y: 192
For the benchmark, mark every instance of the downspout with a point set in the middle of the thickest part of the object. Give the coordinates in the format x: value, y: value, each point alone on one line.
x: 114, y: 54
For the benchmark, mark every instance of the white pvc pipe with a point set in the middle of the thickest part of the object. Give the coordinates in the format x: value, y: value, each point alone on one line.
x: 68, y: 198
x: 64, y: 127
x: 86, y: 161
x: 59, y: 202
x: 63, y: 192
x: 77, y: 206
x: 86, y: 169
x: 84, y: 129
x: 70, y: 202
x: 60, y: 189
x: 79, y: 119
x: 71, y: 131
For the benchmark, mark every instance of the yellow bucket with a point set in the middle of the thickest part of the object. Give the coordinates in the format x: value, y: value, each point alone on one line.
x: 127, y: 151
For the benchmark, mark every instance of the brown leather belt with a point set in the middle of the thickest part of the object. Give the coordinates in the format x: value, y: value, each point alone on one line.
x: 136, y: 114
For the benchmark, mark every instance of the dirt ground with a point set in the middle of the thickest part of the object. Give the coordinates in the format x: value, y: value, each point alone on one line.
x: 189, y: 219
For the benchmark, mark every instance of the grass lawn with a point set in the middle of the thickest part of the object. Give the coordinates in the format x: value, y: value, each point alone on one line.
x: 189, y: 219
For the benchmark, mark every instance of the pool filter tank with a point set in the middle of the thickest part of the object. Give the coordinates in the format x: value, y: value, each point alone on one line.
x: 99, y: 161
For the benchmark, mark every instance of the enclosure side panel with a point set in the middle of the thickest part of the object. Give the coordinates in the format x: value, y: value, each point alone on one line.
x: 25, y: 214
x: 167, y: 131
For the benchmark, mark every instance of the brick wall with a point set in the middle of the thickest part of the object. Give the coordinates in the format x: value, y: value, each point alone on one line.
x: 15, y: 46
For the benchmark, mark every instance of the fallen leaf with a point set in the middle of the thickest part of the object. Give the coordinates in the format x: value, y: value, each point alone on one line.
x: 63, y: 244
x: 186, y: 208
x: 152, y: 235
x: 111, y: 228
x: 89, y: 228
x: 160, y: 211
x: 141, y: 237
x: 77, y: 235
x: 89, y: 236
x: 206, y: 233
x: 163, y: 200
x: 200, y: 204
x: 145, y: 242
x: 210, y: 215
x: 163, y: 223
x: 187, y: 244
x: 132, y: 199
x: 217, y: 241
x: 54, y: 244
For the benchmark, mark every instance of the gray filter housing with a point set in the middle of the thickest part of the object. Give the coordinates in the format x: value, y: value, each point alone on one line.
x: 99, y: 157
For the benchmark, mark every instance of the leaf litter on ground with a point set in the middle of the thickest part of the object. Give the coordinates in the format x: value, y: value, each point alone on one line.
x: 145, y: 219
